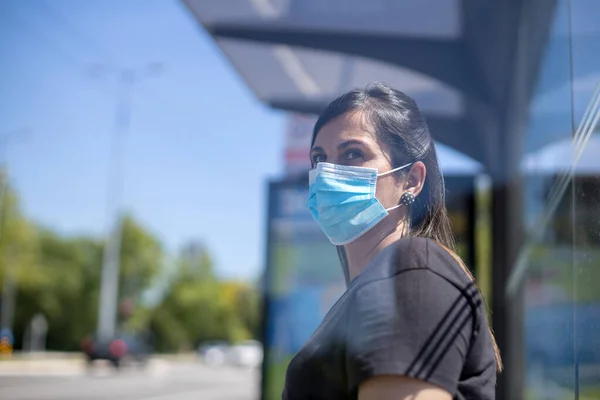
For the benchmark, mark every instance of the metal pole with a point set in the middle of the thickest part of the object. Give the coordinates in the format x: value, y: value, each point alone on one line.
x: 109, y: 290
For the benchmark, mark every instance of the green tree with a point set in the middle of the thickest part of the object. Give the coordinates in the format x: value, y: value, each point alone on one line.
x: 18, y: 242
x: 188, y: 311
x: 142, y: 258
x: 59, y: 276
x: 18, y: 250
x: 198, y: 307
x: 66, y: 289
x: 245, y: 301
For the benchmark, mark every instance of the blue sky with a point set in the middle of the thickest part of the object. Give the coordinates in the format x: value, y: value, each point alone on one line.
x: 200, y: 147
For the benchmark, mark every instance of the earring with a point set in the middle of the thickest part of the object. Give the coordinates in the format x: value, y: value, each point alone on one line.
x: 407, y: 198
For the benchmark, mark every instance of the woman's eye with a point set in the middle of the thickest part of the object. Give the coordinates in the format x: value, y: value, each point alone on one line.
x: 317, y: 158
x: 353, y: 154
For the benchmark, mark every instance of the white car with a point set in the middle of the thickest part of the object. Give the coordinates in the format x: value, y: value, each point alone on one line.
x: 214, y: 353
x: 247, y: 354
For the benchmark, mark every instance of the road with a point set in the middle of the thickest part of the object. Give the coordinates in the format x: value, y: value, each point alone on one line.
x: 164, y: 380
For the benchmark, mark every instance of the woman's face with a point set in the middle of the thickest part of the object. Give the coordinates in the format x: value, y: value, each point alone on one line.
x: 347, y: 140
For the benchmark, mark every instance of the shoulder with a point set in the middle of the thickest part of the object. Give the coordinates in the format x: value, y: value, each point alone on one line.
x: 416, y: 256
x: 419, y: 252
x: 417, y: 275
x: 414, y: 318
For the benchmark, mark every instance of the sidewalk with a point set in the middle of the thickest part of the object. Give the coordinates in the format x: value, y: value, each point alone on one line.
x: 71, y: 364
x: 43, y: 364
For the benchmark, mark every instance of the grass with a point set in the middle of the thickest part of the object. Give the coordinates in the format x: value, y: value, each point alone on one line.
x: 275, y: 378
x: 584, y: 394
x: 589, y: 393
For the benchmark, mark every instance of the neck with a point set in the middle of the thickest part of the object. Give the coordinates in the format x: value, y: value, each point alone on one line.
x: 360, y: 252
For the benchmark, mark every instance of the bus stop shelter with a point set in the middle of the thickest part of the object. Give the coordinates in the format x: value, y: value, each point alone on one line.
x: 471, y: 66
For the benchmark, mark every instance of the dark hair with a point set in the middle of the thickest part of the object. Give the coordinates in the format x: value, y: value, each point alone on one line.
x: 396, y: 120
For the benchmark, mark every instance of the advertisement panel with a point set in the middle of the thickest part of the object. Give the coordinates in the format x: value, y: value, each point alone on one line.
x: 303, y: 280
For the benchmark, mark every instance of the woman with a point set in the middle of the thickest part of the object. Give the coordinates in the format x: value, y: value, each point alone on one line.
x: 411, y: 324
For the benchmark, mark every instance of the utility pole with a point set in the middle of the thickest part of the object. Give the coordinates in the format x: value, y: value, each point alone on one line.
x: 109, y: 289
x: 8, y: 286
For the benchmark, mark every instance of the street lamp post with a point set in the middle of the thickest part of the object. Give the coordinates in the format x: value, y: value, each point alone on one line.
x: 109, y: 289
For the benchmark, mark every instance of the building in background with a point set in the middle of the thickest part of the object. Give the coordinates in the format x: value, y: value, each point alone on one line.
x: 298, y: 136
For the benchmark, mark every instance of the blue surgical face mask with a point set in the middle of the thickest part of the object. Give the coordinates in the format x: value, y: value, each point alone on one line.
x: 342, y: 200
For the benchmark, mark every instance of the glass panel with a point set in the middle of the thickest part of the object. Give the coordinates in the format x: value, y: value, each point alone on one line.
x: 585, y: 48
x: 303, y: 280
x: 542, y: 286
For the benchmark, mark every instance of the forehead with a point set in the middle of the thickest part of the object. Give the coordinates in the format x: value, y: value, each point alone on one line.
x: 350, y: 126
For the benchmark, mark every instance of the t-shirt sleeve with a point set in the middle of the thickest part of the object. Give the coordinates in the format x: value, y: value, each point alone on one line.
x: 414, y: 323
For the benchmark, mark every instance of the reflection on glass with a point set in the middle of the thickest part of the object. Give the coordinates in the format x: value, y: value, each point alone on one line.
x: 560, y: 286
x: 546, y: 290
x: 303, y: 281
x: 585, y: 53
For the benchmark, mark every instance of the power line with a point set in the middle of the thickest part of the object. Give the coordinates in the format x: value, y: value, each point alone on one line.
x: 72, y: 61
x: 62, y: 20
x: 75, y: 63
x: 105, y: 55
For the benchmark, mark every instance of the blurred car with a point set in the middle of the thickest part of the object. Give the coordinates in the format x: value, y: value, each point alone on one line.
x: 124, y: 348
x: 214, y: 353
x: 247, y: 354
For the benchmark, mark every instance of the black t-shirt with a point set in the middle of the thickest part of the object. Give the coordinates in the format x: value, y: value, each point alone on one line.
x: 412, y: 312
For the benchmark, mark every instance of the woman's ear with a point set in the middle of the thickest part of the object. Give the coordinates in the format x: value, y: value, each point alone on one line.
x: 416, y: 178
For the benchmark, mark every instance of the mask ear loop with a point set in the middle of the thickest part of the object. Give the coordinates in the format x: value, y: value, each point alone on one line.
x: 402, y: 203
x: 395, y: 169
x: 389, y: 172
x: 406, y: 215
x: 393, y: 208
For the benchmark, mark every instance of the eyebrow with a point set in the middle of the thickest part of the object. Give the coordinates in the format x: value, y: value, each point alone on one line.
x: 341, y: 146
x: 352, y: 142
